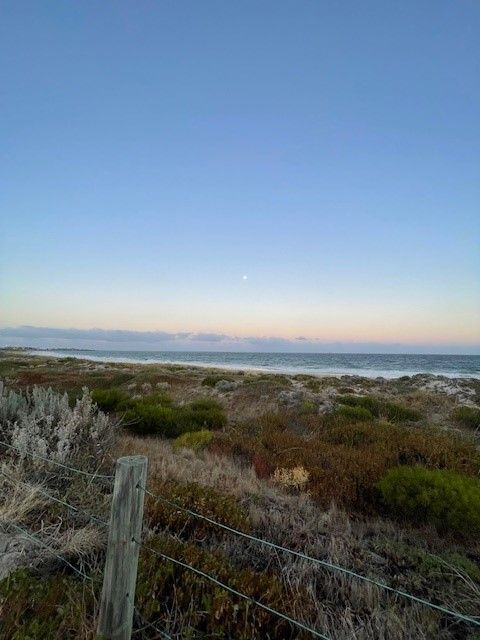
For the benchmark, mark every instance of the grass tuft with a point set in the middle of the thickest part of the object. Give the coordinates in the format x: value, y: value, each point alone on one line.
x: 467, y: 416
x: 380, y: 408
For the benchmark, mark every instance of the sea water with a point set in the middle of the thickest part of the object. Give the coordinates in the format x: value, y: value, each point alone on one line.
x: 371, y: 365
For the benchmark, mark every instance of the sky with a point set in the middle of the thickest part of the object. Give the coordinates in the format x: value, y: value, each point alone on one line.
x: 279, y: 174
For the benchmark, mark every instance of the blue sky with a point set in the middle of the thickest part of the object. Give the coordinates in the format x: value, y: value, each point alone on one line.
x: 155, y: 153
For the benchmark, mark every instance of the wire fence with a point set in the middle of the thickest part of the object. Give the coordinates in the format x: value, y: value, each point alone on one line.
x: 318, y: 561
x: 235, y: 592
x: 471, y: 620
x: 43, y: 544
x: 49, y: 496
x: 32, y: 454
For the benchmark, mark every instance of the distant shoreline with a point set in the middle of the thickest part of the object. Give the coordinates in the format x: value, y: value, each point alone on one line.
x: 328, y: 365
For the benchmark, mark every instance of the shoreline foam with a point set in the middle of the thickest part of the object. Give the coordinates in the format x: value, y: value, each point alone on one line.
x: 289, y: 371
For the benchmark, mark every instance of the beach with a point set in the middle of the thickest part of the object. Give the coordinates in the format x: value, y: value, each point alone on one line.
x: 370, y: 365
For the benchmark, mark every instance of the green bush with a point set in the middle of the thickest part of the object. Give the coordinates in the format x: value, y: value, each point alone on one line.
x: 211, y: 381
x: 308, y: 408
x: 56, y: 607
x: 157, y: 398
x: 156, y: 420
x: 193, y: 439
x: 380, y: 408
x: 155, y: 414
x: 206, y: 412
x: 205, y: 500
x: 467, y: 416
x: 398, y: 413
x: 108, y: 399
x: 359, y: 414
x: 446, y: 499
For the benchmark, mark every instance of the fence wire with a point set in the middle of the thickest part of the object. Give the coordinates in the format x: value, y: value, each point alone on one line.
x: 328, y: 565
x: 324, y: 563
x: 43, y: 544
x: 94, y: 476
x: 239, y: 594
x: 57, y: 500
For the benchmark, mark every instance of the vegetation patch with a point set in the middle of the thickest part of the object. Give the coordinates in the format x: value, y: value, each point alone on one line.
x: 308, y: 407
x: 345, y: 458
x: 211, y: 380
x: 204, y: 500
x: 206, y: 412
x: 193, y: 440
x: 212, y: 612
x: 467, y: 416
x: 156, y: 414
x: 442, y: 572
x: 381, y: 408
x: 355, y: 413
x: 448, y: 500
x: 56, y: 607
x: 109, y: 399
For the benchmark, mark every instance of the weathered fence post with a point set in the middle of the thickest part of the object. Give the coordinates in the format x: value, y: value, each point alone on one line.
x: 118, y: 593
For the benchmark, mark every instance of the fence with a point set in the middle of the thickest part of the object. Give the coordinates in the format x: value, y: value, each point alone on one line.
x: 117, y: 605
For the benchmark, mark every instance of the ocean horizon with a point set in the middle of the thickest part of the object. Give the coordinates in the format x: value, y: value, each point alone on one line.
x: 371, y: 365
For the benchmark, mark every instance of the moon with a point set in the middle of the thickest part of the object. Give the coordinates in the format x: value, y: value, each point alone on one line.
x: 244, y: 277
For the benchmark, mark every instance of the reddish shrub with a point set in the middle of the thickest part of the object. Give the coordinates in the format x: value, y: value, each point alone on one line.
x: 262, y: 467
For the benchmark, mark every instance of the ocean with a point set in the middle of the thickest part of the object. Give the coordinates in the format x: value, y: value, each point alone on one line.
x: 371, y: 365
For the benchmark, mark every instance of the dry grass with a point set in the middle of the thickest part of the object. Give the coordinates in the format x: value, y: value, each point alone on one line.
x: 18, y: 501
x: 341, y: 607
x: 336, y: 604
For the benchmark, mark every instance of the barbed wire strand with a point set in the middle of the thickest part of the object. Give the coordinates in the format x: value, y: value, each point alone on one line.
x: 323, y: 563
x: 46, y: 546
x: 94, y: 476
x: 239, y: 594
x: 54, y: 499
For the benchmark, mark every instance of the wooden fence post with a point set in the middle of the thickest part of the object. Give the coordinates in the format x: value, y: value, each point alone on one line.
x: 118, y: 593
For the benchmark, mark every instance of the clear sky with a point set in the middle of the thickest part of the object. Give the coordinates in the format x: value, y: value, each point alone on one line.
x: 269, y: 169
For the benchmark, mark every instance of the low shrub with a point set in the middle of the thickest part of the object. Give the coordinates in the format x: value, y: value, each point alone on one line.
x: 263, y: 469
x: 441, y: 572
x: 467, y: 417
x: 211, y: 380
x: 380, y: 408
x: 42, y: 422
x: 205, y: 500
x: 294, y: 478
x: 206, y: 412
x: 145, y: 419
x: 207, y: 610
x: 357, y: 435
x: 308, y: 408
x: 156, y: 414
x: 193, y: 440
x: 57, y: 607
x: 357, y: 414
x: 153, y: 399
x: 345, y: 458
x: 108, y: 399
x: 448, y: 500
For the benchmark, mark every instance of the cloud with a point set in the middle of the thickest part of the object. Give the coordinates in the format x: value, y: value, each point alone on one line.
x: 122, y: 339
x: 103, y: 335
x: 127, y: 340
x: 209, y: 337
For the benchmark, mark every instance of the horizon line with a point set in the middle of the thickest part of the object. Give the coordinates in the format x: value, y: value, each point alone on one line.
x: 286, y: 353
x: 48, y: 338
